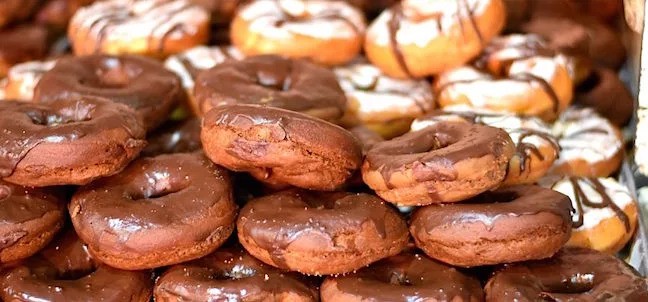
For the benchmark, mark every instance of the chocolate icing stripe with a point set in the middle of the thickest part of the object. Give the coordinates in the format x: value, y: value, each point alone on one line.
x: 394, y: 26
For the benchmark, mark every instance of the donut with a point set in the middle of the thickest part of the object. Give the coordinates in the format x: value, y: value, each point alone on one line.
x: 22, y: 79
x: 590, y: 145
x: 325, y: 32
x: 280, y: 147
x: 319, y: 233
x: 536, y: 148
x: 15, y: 10
x: 574, y: 274
x: 605, y: 212
x: 515, y: 74
x: 604, y: 91
x: 409, y: 276
x: 146, y: 27
x: 403, y: 38
x: 174, y: 137
x: 273, y: 81
x: 444, y: 162
x: 21, y: 44
x: 507, y: 225
x: 139, y: 82
x: 159, y: 211
x: 231, y: 274
x: 30, y: 218
x: 382, y: 103
x: 65, y: 272
x: 69, y: 142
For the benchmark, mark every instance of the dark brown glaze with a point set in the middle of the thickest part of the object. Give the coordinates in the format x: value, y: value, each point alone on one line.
x: 393, y: 26
x: 21, y: 44
x: 174, y: 137
x: 231, y: 274
x: 154, y: 209
x: 604, y: 91
x: 574, y: 274
x: 408, y: 276
x: 141, y: 83
x: 269, y: 80
x: 67, y: 135
x: 64, y: 271
x: 16, y: 10
x: 57, y: 13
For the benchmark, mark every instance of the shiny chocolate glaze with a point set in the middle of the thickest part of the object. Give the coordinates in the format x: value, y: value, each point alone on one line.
x: 174, y: 137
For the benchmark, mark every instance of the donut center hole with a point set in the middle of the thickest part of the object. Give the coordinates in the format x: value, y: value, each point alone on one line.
x: 400, y: 279
x: 78, y: 112
x: 238, y: 271
x: 590, y: 83
x: 76, y: 274
x: 494, y: 197
x: 159, y: 184
x: 274, y: 80
x: 113, y: 73
x: 574, y: 284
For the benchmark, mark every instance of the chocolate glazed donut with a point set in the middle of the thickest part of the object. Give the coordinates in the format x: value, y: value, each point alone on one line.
x: 607, y: 94
x: 574, y: 274
x: 231, y: 274
x: 64, y: 271
x: 68, y: 142
x: 507, y: 225
x: 141, y: 83
x: 159, y: 211
x: 269, y: 80
x: 320, y: 233
x: 405, y: 277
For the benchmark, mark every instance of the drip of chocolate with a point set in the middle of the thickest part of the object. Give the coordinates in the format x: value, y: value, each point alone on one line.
x: 582, y: 199
x: 524, y: 150
x: 530, y: 78
x: 471, y: 18
x: 393, y: 26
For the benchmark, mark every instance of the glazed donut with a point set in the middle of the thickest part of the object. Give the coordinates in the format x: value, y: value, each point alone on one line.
x: 280, y: 147
x: 608, y: 95
x: 139, y: 82
x: 444, y: 162
x: 320, y: 233
x: 22, y: 79
x: 16, y: 10
x: 146, y: 27
x: 65, y: 272
x: 605, y: 212
x: 574, y: 274
x: 325, y: 32
x: 30, y: 219
x: 69, y: 142
x: 174, y: 137
x: 590, y: 145
x: 402, y: 39
x: 515, y: 75
x: 536, y: 148
x: 231, y: 274
x: 510, y: 224
x: 404, y: 277
x: 159, y: 211
x: 21, y: 44
x: 384, y: 104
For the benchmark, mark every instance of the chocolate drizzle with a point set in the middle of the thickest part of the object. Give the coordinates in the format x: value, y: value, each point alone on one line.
x: 531, y: 78
x: 393, y: 25
x: 327, y: 15
x: 524, y: 150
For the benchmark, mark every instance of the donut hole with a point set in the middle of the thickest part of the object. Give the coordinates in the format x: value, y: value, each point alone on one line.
x: 113, y: 73
x: 159, y: 184
x: 238, y: 271
x: 490, y: 197
x: 591, y: 82
x: 273, y: 81
x: 77, y: 112
x: 399, y: 279
x: 575, y: 284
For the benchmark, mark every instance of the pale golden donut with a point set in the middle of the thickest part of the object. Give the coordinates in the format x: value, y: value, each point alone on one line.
x: 22, y: 78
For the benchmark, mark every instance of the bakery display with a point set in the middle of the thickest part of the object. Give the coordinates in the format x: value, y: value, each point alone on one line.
x: 316, y: 150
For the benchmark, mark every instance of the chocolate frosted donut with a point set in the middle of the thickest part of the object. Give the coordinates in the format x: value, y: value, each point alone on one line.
x: 71, y: 141
x: 404, y: 277
x: 444, y: 162
x: 574, y: 274
x: 273, y: 81
x: 320, y: 233
x: 280, y: 147
x: 231, y: 274
x: 159, y: 211
x: 64, y: 271
x: 507, y: 225
x: 605, y: 92
x: 174, y: 137
x: 29, y: 219
x: 21, y: 44
x: 13, y: 10
x: 141, y: 83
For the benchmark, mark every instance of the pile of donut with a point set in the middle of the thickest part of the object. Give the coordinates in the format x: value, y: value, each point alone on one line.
x: 306, y: 150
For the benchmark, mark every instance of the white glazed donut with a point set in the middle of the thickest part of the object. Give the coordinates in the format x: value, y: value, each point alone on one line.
x: 22, y: 78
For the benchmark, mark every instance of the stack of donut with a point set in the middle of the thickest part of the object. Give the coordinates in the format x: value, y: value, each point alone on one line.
x: 327, y: 150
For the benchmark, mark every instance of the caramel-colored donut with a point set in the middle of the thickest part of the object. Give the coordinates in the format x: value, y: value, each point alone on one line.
x: 273, y: 81
x: 507, y: 225
x: 159, y: 211
x: 326, y: 32
x: 280, y: 147
x: 21, y: 44
x: 536, y: 148
x: 30, y: 219
x: 590, y: 145
x: 444, y: 162
x: 607, y: 94
x: 69, y: 142
x: 404, y: 277
x: 139, y: 82
x: 146, y: 27
x: 22, y: 79
x: 64, y: 271
x: 231, y: 274
x: 174, y: 137
x: 574, y: 274
x: 605, y: 212
x: 16, y: 10
x: 320, y: 233
x: 419, y: 38
x: 515, y: 74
